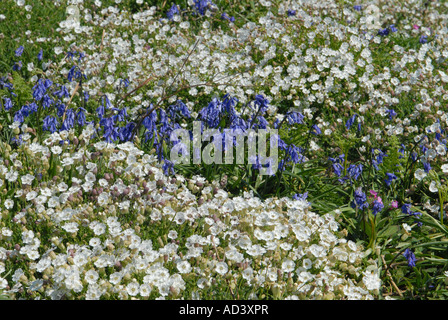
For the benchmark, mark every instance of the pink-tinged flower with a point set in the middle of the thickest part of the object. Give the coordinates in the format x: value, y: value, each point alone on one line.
x: 416, y: 27
x: 394, y: 204
x: 373, y: 193
x: 378, y: 199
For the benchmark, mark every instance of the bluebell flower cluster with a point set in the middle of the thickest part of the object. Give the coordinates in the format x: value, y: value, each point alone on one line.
x: 360, y: 200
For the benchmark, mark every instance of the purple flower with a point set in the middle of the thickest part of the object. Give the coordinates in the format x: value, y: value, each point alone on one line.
x: 50, y: 124
x: 389, y: 178
x: 377, y: 206
x: 384, y: 32
x: 19, y: 51
x: 291, y: 12
x: 40, y: 55
x: 423, y: 39
x: 357, y: 7
x: 360, y: 200
x: 172, y: 11
x: 410, y: 256
x: 8, y: 104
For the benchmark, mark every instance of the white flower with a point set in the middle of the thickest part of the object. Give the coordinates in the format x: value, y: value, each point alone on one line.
x: 433, y: 187
x: 3, y: 283
x: 145, y: 290
x: 9, y: 204
x: 406, y: 227
x: 184, y: 267
x: 420, y: 174
x: 371, y: 280
x: 133, y: 288
x: 56, y: 150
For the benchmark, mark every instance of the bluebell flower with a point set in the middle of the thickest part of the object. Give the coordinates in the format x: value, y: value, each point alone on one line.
x: 315, y: 130
x: 410, y: 256
x: 50, y: 124
x: 172, y: 11
x: 168, y: 167
x: 40, y: 55
x: 33, y: 107
x: 225, y: 16
x: 17, y: 66
x: 357, y: 7
x: 100, y: 111
x: 350, y: 121
x: 8, y: 104
x: 81, y: 116
x: 383, y: 32
x: 202, y: 5
x: 360, y: 200
x: 354, y: 171
x: 125, y: 133
x: 389, y: 178
x: 47, y: 101
x: 393, y: 28
x: 295, y: 117
x: 377, y: 206
x: 391, y: 113
x: 423, y: 39
x: 39, y: 90
x: 291, y: 12
x: 110, y: 131
x: 69, y: 121
x: 19, y: 51
x: 406, y: 209
x: 426, y: 167
x: 62, y: 92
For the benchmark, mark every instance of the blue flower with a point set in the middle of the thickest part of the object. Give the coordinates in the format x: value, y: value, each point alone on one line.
x: 19, y: 51
x: 295, y: 117
x: 426, y: 167
x: 50, y: 124
x: 81, y: 116
x: 203, y: 5
x: 360, y: 200
x: 291, y: 12
x: 17, y: 66
x: 350, y: 121
x: 423, y: 39
x: 377, y: 206
x: 315, y: 130
x: 410, y: 256
x: 69, y: 121
x: 40, y: 55
x: 172, y: 11
x: 391, y: 113
x: 389, y: 178
x: 393, y: 28
x: 168, y: 167
x: 357, y: 7
x: 7, y: 104
x: 384, y: 32
x: 225, y: 16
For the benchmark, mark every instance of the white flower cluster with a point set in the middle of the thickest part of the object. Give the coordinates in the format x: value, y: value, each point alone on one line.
x: 79, y: 229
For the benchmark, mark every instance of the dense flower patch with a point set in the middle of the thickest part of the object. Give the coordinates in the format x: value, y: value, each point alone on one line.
x: 93, y: 206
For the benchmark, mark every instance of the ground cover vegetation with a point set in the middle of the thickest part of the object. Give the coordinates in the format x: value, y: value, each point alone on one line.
x: 92, y: 206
